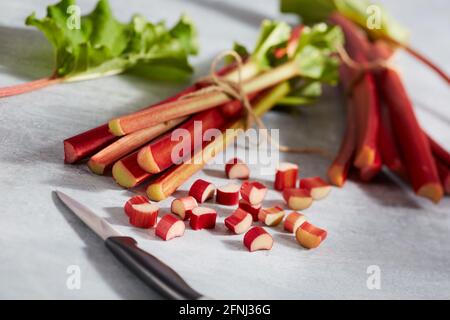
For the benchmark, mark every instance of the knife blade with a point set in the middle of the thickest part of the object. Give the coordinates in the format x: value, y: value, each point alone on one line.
x: 148, y: 268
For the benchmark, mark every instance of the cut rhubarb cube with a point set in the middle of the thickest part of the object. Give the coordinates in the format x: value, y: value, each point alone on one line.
x: 317, y: 188
x: 202, y: 190
x: 310, y: 236
x: 297, y: 199
x: 228, y: 195
x: 271, y: 216
x: 293, y: 221
x: 258, y: 239
x: 182, y: 207
x: 253, y: 192
x: 128, y: 208
x: 144, y: 215
x: 236, y: 169
x: 252, y: 209
x: 239, y: 221
x: 169, y: 227
x: 203, y: 218
x: 286, y: 176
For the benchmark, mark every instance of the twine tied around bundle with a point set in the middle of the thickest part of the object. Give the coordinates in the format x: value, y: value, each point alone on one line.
x: 236, y: 91
x: 360, y: 68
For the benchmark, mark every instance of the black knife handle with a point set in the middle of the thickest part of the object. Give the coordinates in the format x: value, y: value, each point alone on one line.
x: 149, y: 269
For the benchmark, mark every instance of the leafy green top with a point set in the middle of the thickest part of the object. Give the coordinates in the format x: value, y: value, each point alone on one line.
x: 314, y: 55
x: 313, y: 11
x: 104, y: 46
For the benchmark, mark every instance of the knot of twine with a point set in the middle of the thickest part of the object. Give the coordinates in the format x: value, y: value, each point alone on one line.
x: 360, y: 68
x: 235, y: 90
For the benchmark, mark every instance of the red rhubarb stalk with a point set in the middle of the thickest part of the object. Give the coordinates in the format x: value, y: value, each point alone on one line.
x: 444, y: 175
x: 88, y: 143
x: 414, y: 145
x: 168, y: 111
x: 127, y: 173
x: 169, y: 181
x: 338, y: 171
x: 439, y: 152
x: 366, y: 174
x: 28, y: 87
x: 390, y: 154
x: 84, y: 144
x: 159, y: 155
x: 120, y: 148
x: 363, y: 93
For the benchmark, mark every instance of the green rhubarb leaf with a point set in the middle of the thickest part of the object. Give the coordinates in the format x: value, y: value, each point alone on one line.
x: 373, y: 18
x: 306, y: 93
x: 316, y: 53
x: 273, y: 34
x: 100, y: 45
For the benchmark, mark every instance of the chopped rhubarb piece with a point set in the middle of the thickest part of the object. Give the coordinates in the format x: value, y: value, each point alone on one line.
x: 317, y: 188
x: 310, y: 236
x: 286, y: 176
x: 169, y: 227
x: 293, y: 221
x: 132, y: 201
x: 297, y: 199
x: 271, y: 216
x: 252, y: 209
x: 144, y: 215
x: 183, y: 207
x: 253, y: 192
x: 239, y: 221
x: 237, y: 169
x: 203, y: 218
x: 258, y: 239
x: 202, y: 190
x: 127, y: 173
x: 228, y: 195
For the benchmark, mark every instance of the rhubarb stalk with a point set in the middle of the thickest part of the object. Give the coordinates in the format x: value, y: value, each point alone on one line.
x: 338, y: 171
x: 87, y: 143
x: 414, y: 145
x: 106, y: 157
x: 168, y: 111
x: 28, y: 87
x: 363, y: 93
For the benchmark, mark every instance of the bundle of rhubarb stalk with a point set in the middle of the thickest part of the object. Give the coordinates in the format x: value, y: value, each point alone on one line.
x: 382, y: 128
x: 157, y: 145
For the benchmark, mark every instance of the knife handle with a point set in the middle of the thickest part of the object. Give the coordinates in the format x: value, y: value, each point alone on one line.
x: 149, y: 269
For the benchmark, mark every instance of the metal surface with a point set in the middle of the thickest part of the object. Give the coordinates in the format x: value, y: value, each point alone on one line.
x: 99, y: 225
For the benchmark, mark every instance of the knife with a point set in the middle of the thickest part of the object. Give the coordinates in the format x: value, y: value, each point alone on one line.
x: 148, y: 268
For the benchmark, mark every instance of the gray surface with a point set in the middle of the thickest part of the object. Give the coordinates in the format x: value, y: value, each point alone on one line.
x: 378, y: 224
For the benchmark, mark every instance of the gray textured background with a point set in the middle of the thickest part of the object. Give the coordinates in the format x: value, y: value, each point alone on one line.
x: 380, y: 224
